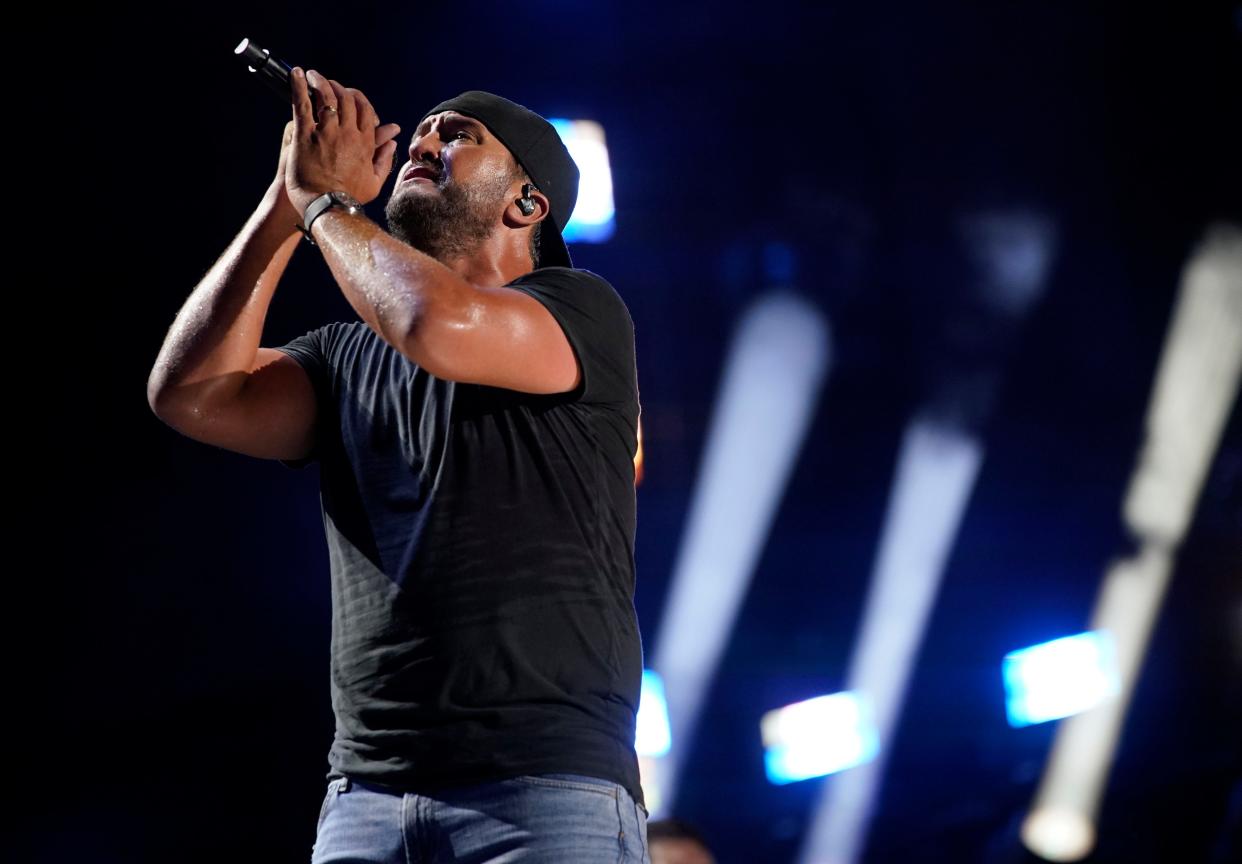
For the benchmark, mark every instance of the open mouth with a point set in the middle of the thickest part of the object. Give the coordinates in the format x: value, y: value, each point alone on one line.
x: 419, y: 172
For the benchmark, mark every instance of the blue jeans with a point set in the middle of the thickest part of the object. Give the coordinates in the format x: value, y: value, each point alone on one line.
x: 536, y: 818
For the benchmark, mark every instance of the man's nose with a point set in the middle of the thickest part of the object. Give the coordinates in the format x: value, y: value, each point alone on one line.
x: 426, y: 149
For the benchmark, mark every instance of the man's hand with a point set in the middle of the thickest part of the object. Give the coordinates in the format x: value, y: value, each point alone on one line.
x: 344, y: 149
x: 278, y: 193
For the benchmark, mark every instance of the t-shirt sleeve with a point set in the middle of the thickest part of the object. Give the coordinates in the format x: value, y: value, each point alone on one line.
x: 310, y: 350
x: 598, y: 326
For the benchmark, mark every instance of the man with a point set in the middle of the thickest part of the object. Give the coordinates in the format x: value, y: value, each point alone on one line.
x: 476, y: 434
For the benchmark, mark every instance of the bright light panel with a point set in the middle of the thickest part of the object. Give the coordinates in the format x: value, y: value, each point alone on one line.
x: 593, y: 219
x: 653, y: 738
x: 816, y: 737
x: 1059, y: 678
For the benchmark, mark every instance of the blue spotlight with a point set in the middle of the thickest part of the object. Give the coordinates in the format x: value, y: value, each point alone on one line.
x: 817, y: 737
x: 653, y: 737
x: 593, y: 219
x: 1059, y: 678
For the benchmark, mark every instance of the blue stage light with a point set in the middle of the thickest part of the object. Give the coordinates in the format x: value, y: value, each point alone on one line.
x: 653, y: 737
x: 778, y: 359
x: 593, y: 219
x: 1059, y: 678
x: 817, y: 737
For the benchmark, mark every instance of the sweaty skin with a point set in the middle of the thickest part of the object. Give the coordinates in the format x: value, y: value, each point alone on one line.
x: 429, y: 305
x: 448, y: 311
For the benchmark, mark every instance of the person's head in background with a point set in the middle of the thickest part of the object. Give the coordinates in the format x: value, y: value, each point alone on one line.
x: 672, y: 841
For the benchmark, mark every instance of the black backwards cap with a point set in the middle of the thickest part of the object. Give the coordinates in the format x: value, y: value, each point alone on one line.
x: 538, y: 148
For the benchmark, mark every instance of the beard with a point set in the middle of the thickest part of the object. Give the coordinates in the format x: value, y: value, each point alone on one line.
x: 451, y: 222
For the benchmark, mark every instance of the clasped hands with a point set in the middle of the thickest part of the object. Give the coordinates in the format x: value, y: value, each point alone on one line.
x: 337, y: 144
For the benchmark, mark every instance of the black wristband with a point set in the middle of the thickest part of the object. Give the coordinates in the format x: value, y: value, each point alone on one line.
x: 325, y: 202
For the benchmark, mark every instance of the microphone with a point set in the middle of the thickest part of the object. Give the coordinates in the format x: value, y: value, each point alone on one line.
x: 272, y: 71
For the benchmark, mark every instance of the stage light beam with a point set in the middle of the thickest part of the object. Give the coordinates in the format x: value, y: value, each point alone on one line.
x: 776, y: 366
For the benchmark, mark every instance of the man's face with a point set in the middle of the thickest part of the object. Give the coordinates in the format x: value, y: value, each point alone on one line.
x: 451, y: 194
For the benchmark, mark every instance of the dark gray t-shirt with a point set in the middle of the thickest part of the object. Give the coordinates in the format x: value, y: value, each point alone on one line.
x: 481, y: 545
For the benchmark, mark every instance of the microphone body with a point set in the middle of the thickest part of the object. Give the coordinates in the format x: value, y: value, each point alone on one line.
x: 272, y: 71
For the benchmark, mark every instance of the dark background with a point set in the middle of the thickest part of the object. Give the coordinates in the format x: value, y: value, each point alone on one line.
x: 188, y: 712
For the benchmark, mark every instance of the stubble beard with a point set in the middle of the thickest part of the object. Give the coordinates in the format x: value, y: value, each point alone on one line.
x: 451, y: 222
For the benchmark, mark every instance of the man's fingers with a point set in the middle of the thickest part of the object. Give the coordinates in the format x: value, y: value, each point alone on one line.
x: 386, y: 133
x: 384, y: 159
x: 367, y: 121
x: 367, y: 118
x: 346, y: 110
x: 303, y: 116
x: 321, y: 87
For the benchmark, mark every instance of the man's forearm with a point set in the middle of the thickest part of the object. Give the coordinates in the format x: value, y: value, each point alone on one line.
x: 390, y: 284
x: 214, y: 340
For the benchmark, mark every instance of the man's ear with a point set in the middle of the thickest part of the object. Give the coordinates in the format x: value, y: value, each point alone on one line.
x: 514, y: 213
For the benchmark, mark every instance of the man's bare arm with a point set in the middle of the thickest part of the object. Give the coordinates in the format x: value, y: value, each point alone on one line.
x: 450, y: 327
x: 213, y: 342
x: 211, y: 380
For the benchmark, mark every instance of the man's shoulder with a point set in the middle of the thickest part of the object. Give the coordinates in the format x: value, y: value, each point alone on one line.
x: 562, y: 276
x: 571, y: 282
x: 344, y: 338
x: 339, y: 329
